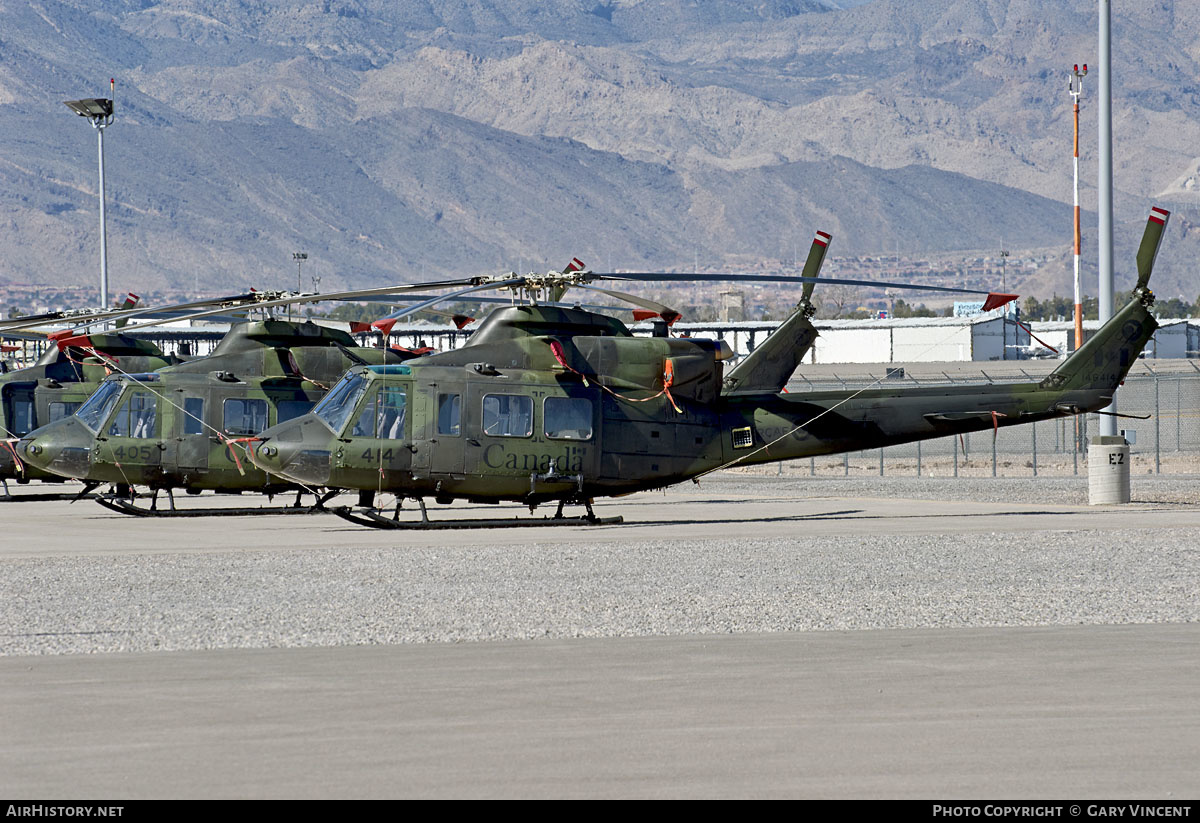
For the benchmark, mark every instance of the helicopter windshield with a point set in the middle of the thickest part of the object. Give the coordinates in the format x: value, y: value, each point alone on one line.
x: 96, y: 408
x: 336, y: 406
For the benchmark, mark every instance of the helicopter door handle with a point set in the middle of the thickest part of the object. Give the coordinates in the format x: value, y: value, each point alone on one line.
x: 473, y: 441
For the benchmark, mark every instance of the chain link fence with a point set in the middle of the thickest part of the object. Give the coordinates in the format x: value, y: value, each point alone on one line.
x: 1166, y: 442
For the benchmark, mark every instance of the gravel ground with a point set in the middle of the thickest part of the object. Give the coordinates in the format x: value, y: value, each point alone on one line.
x: 604, y: 587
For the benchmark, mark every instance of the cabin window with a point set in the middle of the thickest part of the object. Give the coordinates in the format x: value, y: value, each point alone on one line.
x: 136, y: 416
x: 568, y: 418
x: 507, y: 415
x: 382, y: 415
x: 22, y: 416
x: 60, y: 409
x: 291, y: 409
x: 193, y: 415
x: 244, y: 416
x: 449, y: 407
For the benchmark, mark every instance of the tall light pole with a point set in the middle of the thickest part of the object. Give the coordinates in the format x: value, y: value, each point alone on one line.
x: 299, y: 257
x: 99, y: 112
x: 1004, y: 316
x: 1108, y: 423
x: 1075, y: 87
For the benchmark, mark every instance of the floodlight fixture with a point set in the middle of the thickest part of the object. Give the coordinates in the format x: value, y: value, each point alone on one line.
x: 92, y: 107
x: 99, y: 112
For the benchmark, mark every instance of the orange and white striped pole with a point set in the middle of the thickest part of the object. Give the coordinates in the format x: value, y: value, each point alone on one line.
x: 1075, y: 87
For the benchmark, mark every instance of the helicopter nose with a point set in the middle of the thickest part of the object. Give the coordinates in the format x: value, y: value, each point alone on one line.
x: 58, y: 451
x: 284, y: 451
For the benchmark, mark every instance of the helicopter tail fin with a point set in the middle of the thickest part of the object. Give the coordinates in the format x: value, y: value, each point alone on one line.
x: 130, y: 301
x: 769, y: 366
x: 1097, y: 367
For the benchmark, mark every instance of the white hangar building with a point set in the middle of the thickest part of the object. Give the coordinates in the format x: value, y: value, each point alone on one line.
x: 919, y: 340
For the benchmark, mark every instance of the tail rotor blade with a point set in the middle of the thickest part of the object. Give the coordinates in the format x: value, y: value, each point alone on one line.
x: 1151, y: 239
x: 816, y: 257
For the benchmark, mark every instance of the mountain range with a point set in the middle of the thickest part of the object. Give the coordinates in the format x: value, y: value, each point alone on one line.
x: 402, y: 141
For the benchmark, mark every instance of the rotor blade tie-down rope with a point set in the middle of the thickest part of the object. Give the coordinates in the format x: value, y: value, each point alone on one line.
x: 295, y: 367
x: 8, y: 444
x: 230, y: 441
x: 106, y: 360
x: 1034, y: 336
x: 996, y: 424
x: 668, y: 379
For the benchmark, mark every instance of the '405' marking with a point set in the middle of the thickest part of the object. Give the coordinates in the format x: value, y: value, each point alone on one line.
x: 143, y: 453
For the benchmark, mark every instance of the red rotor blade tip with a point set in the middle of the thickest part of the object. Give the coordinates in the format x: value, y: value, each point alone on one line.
x: 67, y: 342
x: 385, y: 326
x: 995, y: 300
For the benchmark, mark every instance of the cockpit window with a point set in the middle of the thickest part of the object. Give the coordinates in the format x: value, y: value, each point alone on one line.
x: 382, y: 416
x: 136, y: 417
x: 335, y: 408
x: 96, y: 408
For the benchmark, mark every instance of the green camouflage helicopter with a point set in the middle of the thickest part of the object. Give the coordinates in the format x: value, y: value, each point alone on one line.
x: 548, y: 404
x: 62, y: 378
x: 75, y: 364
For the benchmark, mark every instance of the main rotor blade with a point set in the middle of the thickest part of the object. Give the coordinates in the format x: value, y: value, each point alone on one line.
x: 46, y: 318
x: 318, y: 297
x: 384, y: 324
x: 688, y: 277
x: 665, y: 312
x: 98, y: 316
x: 507, y: 301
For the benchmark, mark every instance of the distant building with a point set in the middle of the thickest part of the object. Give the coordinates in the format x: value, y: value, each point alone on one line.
x: 919, y: 340
x: 1173, y: 339
x: 733, y: 306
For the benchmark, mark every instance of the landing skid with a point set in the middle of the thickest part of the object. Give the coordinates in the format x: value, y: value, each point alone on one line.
x: 122, y: 505
x: 37, y: 496
x: 363, y: 516
x: 44, y: 496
